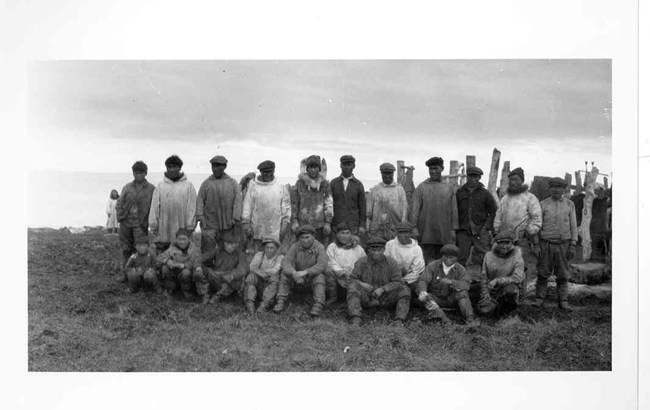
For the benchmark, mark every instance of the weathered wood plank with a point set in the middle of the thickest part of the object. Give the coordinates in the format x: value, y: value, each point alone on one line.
x: 583, y: 230
x: 504, y: 178
x: 494, y: 172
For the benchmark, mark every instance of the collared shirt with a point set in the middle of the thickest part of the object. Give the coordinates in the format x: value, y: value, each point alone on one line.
x: 558, y: 220
x: 435, y: 271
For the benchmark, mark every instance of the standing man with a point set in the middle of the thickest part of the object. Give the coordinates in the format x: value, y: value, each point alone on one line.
x: 407, y: 253
x: 218, y: 206
x: 349, y: 198
x: 132, y: 211
x: 519, y: 212
x: 267, y: 207
x: 558, y: 238
x: 386, y: 205
x: 173, y: 205
x: 312, y: 201
x: 376, y: 281
x: 476, y: 210
x: 435, y: 211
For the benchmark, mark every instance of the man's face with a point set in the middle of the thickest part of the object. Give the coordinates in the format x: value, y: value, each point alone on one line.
x: 449, y: 260
x: 504, y: 246
x: 404, y: 237
x: 313, y: 170
x: 218, y: 170
x: 139, y: 176
x: 557, y: 192
x: 472, y: 180
x: 515, y: 182
x: 267, y: 175
x: 435, y: 172
x: 173, y: 170
x: 230, y: 247
x: 344, y: 236
x: 142, y: 248
x: 387, y: 177
x: 376, y: 253
x: 183, y: 242
x: 306, y: 240
x: 270, y: 249
x: 347, y: 168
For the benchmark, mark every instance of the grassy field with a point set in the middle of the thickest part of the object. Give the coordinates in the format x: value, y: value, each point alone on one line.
x: 81, y: 319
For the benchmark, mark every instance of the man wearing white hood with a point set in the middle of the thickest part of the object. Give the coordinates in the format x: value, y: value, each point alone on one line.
x: 407, y: 253
x: 267, y: 207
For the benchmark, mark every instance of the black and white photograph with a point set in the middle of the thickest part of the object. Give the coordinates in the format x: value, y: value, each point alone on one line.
x: 267, y: 217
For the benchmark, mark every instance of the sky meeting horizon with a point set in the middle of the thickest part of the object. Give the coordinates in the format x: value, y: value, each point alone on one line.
x: 546, y: 116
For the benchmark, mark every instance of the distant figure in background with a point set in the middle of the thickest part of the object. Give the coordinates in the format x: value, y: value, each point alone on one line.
x: 349, y: 198
x: 598, y: 229
x: 218, y: 206
x: 387, y: 205
x: 435, y: 212
x: 173, y: 205
x: 133, y: 211
x: 111, y: 213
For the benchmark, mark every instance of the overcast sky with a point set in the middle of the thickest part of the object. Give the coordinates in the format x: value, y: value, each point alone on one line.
x: 547, y: 116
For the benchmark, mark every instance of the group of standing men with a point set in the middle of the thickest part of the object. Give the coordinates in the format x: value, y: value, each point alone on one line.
x: 375, y: 250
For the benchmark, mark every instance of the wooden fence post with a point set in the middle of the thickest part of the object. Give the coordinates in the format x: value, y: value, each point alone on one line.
x: 606, y: 182
x: 567, y: 190
x: 400, y: 172
x: 494, y: 172
x: 578, y: 183
x: 470, y: 161
x: 453, y: 173
x: 583, y: 230
x: 503, y: 186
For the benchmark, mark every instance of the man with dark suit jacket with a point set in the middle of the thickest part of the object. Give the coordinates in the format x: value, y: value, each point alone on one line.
x: 349, y: 198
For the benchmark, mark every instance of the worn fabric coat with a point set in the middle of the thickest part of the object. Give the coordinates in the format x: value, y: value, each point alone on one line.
x: 134, y: 204
x: 219, y: 203
x: 409, y: 257
x: 384, y: 274
x: 510, y: 266
x: 558, y: 220
x: 350, y: 203
x: 386, y: 205
x: 190, y: 256
x: 430, y: 279
x: 341, y: 258
x: 313, y: 259
x: 435, y: 212
x: 173, y: 206
x: 266, y: 206
x: 111, y: 220
x: 312, y: 202
x: 476, y: 209
x: 519, y: 213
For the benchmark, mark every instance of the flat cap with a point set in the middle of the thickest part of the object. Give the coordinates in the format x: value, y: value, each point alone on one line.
x: 343, y: 226
x: 306, y: 229
x: 139, y: 166
x: 270, y: 240
x: 387, y: 167
x: 376, y: 241
x: 557, y: 182
x: 404, y: 227
x: 517, y: 171
x: 474, y: 171
x: 433, y: 161
x: 348, y: 158
x: 219, y: 159
x: 174, y: 160
x: 505, y: 236
x: 231, y: 237
x: 450, y: 250
x: 183, y: 231
x: 266, y: 165
x: 144, y: 239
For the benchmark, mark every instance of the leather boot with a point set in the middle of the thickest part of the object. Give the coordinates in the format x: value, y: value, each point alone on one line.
x: 563, y: 296
x: 540, y: 292
x: 250, y: 307
x: 316, y: 310
x: 279, y: 306
x: 436, y: 313
x: 330, y: 289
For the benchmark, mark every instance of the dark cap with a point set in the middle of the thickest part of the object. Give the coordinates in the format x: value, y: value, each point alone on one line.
x: 266, y: 165
x: 231, y: 237
x: 184, y: 231
x: 142, y: 239
x: 375, y: 241
x: 517, y: 171
x: 219, y: 159
x: 139, y: 166
x: 474, y: 171
x: 306, y: 229
x: 343, y: 226
x: 348, y: 158
x: 312, y: 160
x: 174, y: 160
x: 505, y: 236
x: 404, y: 227
x: 559, y: 182
x: 270, y: 240
x: 433, y: 161
x: 387, y: 167
x: 449, y: 250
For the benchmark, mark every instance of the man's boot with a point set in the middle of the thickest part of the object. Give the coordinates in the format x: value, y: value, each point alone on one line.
x: 330, y: 289
x: 205, y: 298
x: 563, y: 296
x: 540, y: 292
x: 316, y: 310
x: 279, y: 306
x: 436, y: 313
x: 250, y: 307
x: 355, y: 321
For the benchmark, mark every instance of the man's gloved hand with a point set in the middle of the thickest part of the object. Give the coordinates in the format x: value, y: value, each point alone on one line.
x: 248, y: 230
x: 154, y: 231
x: 294, y: 226
x: 422, y: 297
x: 228, y: 277
x: 491, y: 284
x: 415, y: 234
x: 410, y: 277
x: 362, y: 230
x: 284, y: 227
x: 327, y: 229
x: 376, y: 294
x: 367, y: 287
x: 170, y: 264
x: 453, y: 236
x: 571, y: 252
x: 445, y: 281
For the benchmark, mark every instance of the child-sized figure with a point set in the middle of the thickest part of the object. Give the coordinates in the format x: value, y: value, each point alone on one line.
x: 227, y: 276
x: 141, y: 267
x: 111, y: 213
x: 179, y: 263
x: 264, y: 277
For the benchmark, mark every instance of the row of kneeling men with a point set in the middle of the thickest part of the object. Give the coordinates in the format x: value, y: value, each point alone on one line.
x: 391, y: 274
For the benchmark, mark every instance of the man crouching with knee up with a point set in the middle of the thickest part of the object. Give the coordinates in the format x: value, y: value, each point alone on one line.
x: 179, y: 263
x: 264, y: 277
x: 376, y: 281
x: 444, y: 284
